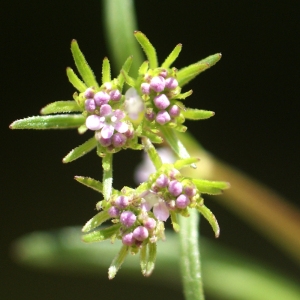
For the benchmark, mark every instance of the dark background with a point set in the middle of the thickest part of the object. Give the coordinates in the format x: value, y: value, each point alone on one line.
x: 254, y: 91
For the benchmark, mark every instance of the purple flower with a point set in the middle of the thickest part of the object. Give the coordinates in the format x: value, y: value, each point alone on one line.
x: 90, y: 105
x: 162, y: 181
x: 118, y: 140
x: 108, y: 121
x: 140, y: 233
x: 150, y: 223
x: 175, y: 188
x: 145, y: 87
x: 182, y: 201
x: 89, y: 93
x: 127, y: 218
x: 113, y: 212
x: 101, y: 98
x: 163, y: 117
x: 161, y: 101
x: 115, y: 95
x: 171, y: 83
x: 174, y: 111
x: 122, y: 202
x: 128, y: 239
x: 157, y: 84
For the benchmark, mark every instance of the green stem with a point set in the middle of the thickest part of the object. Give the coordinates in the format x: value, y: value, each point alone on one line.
x: 107, y: 175
x: 190, y: 257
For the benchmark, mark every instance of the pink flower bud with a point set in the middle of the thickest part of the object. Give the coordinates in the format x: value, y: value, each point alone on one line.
x: 157, y: 84
x: 140, y: 233
x: 182, y: 201
x: 127, y: 218
x: 161, y: 101
x: 163, y: 117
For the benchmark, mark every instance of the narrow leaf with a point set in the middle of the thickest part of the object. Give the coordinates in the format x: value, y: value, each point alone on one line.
x: 49, y: 122
x: 126, y: 67
x: 117, y: 262
x: 107, y: 175
x: 144, y: 68
x: 96, y: 221
x: 106, y: 77
x: 181, y: 163
x: 83, y: 68
x: 60, y: 107
x: 91, y: 183
x: 129, y: 80
x: 152, y: 153
x: 143, y: 259
x: 151, y: 259
x: 197, y: 114
x: 188, y: 73
x: 154, y: 138
x: 101, y: 235
x: 148, y: 49
x: 80, y: 150
x: 174, y: 220
x: 76, y: 82
x: 210, y: 217
x: 210, y: 187
x: 183, y: 95
x: 172, y: 57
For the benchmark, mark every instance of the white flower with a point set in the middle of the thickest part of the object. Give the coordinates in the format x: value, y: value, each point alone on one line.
x: 134, y: 104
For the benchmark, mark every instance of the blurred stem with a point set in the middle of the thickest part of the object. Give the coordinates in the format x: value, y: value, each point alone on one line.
x: 119, y: 25
x: 269, y: 213
x: 190, y: 257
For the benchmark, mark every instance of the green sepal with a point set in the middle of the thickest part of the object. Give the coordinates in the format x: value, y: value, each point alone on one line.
x: 82, y: 129
x: 82, y: 66
x: 144, y: 68
x: 91, y: 183
x: 101, y: 235
x: 151, y: 259
x: 49, y: 122
x: 117, y: 262
x: 152, y: 153
x: 106, y: 73
x: 172, y: 57
x: 60, y: 107
x: 76, y: 82
x: 129, y: 80
x: 181, y: 163
x: 197, y: 114
x: 96, y: 221
x: 174, y: 220
x: 188, y: 73
x: 210, y: 217
x: 148, y: 49
x: 80, y: 150
x: 183, y: 96
x: 154, y: 138
x: 126, y: 67
x: 210, y: 187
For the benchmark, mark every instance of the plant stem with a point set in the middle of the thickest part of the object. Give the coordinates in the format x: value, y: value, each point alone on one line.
x: 190, y: 257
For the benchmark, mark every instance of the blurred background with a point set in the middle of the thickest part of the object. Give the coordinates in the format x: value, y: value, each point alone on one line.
x: 254, y: 91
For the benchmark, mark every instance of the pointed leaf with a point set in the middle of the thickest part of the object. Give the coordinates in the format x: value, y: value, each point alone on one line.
x: 151, y: 259
x: 80, y: 150
x: 76, y: 82
x: 148, y: 49
x: 91, y: 183
x: 143, y: 259
x: 82, y: 66
x: 60, y: 107
x: 154, y: 138
x: 144, y: 68
x: 188, y: 73
x: 197, y: 114
x: 181, y: 163
x: 101, y: 235
x: 82, y: 129
x: 172, y: 57
x: 106, y: 77
x: 49, y: 122
x: 126, y: 67
x: 117, y: 262
x: 129, y: 80
x: 210, y: 187
x: 152, y: 153
x: 210, y: 217
x: 174, y: 220
x: 96, y: 221
x: 183, y: 95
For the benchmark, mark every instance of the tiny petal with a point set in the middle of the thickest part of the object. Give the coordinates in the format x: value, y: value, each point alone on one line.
x: 161, y: 211
x: 113, y: 212
x: 101, y: 98
x: 121, y: 126
x: 107, y: 131
x: 163, y: 73
x: 171, y: 83
x: 157, y: 84
x: 162, y: 181
x: 145, y: 87
x: 140, y: 233
x: 150, y: 223
x: 175, y: 187
x: 115, y: 95
x: 128, y: 239
x: 104, y: 142
x: 182, y: 201
x: 127, y: 218
x: 105, y: 110
x: 174, y: 111
x: 161, y: 101
x: 118, y: 140
x: 93, y: 122
x: 163, y: 117
x: 90, y: 105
